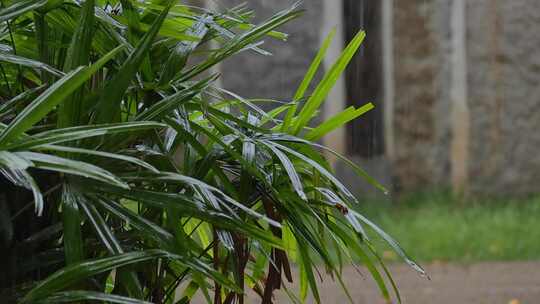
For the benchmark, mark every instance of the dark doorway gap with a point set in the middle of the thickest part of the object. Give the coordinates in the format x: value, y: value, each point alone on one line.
x: 364, y: 82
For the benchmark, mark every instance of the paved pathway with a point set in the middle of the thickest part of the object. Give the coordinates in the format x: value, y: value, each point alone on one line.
x: 489, y: 283
x: 482, y: 283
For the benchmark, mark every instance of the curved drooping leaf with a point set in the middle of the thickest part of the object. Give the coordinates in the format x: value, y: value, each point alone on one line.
x: 359, y: 171
x: 115, y: 156
x: 57, y: 136
x: 22, y: 178
x: 192, y: 208
x: 214, y: 194
x: 317, y: 166
x: 393, y: 243
x: 74, y: 167
x: 290, y: 169
x: 23, y: 61
x: 13, y: 167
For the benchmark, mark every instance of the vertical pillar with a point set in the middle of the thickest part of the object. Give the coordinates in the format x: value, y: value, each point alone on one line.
x: 335, y: 103
x: 458, y: 97
x: 388, y: 76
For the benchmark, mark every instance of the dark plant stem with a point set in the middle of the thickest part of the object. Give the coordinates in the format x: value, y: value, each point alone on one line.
x: 6, y: 80
x: 217, y: 286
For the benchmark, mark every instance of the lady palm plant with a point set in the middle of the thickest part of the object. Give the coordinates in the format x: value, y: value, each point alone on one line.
x: 128, y: 176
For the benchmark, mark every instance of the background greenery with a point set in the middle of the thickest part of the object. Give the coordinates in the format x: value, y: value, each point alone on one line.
x: 434, y: 226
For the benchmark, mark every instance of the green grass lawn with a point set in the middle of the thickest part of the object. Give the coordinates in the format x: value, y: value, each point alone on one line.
x: 437, y: 228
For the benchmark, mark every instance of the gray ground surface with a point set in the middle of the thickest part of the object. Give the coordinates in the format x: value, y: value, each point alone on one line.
x: 489, y: 283
x: 478, y: 283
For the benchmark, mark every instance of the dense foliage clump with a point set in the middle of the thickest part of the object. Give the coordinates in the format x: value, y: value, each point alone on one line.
x: 127, y: 172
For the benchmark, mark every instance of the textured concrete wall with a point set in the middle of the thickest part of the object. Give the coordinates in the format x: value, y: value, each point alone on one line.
x: 504, y: 82
x: 421, y: 118
x: 277, y: 76
x: 503, y: 77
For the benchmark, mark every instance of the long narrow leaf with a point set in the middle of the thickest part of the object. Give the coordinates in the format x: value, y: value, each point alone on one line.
x: 337, y: 121
x: 22, y: 178
x: 393, y: 243
x: 23, y: 61
x: 56, y: 136
x: 126, y: 278
x: 69, y: 112
x: 178, y: 57
x: 308, y: 78
x: 290, y: 169
x: 73, y: 243
x: 111, y: 96
x: 115, y: 156
x: 20, y: 7
x: 170, y: 103
x: 10, y: 104
x: 51, y: 98
x: 326, y: 84
x: 68, y: 166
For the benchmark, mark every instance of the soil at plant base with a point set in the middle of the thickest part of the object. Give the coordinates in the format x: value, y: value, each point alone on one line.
x: 479, y: 283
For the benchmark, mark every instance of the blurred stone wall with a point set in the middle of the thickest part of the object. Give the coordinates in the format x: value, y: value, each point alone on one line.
x: 421, y: 106
x: 504, y: 95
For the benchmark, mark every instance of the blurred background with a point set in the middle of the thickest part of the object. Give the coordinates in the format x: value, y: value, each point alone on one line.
x: 454, y: 135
